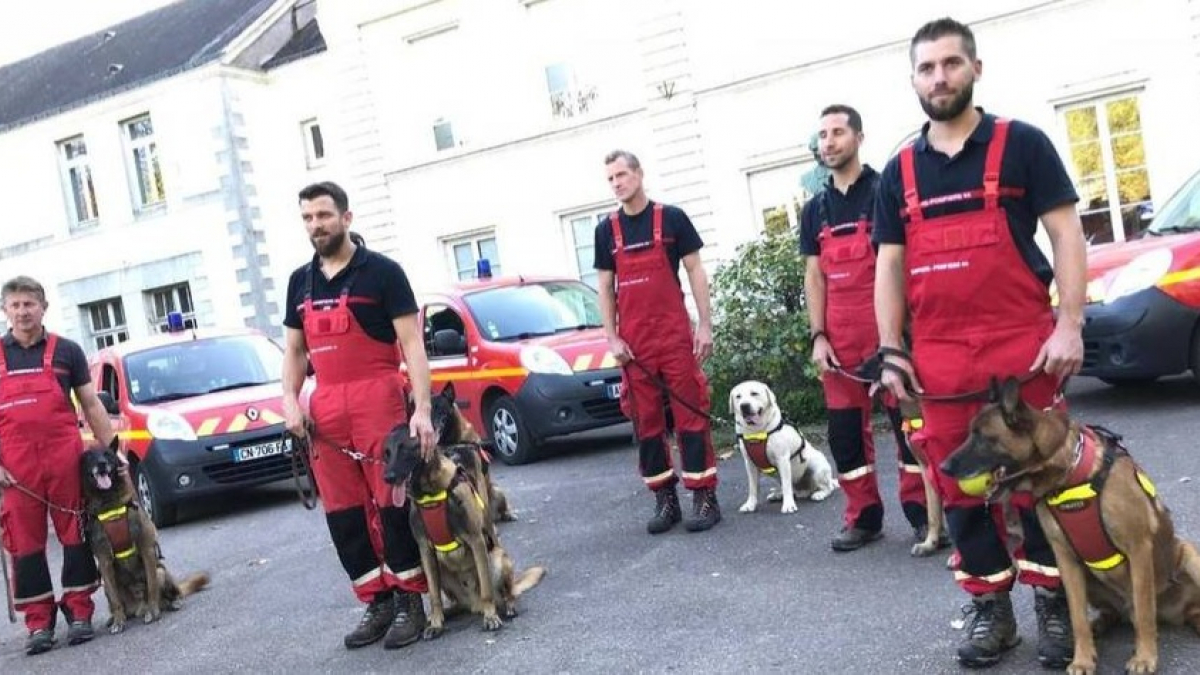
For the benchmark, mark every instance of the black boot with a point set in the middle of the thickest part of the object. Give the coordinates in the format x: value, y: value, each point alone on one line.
x: 39, y: 641
x: 374, y: 622
x: 409, y: 623
x: 1056, y: 641
x: 705, y: 510
x: 992, y: 631
x: 854, y: 538
x: 666, y: 510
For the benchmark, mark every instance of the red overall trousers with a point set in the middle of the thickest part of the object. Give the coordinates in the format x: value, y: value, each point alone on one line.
x: 359, y: 398
x: 653, y: 321
x: 848, y: 264
x: 978, y: 312
x: 40, y: 446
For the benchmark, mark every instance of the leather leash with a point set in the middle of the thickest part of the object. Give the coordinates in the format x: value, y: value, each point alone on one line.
x: 662, y: 384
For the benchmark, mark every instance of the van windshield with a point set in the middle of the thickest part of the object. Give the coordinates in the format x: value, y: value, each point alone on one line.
x: 534, y: 309
x: 1181, y: 213
x: 198, y: 367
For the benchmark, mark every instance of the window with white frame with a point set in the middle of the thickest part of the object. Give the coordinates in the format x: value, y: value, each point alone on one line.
x: 777, y: 196
x: 581, y: 231
x: 106, y: 322
x: 145, y: 166
x: 314, y: 142
x: 1108, y: 158
x: 77, y: 182
x: 174, y: 298
x: 466, y: 253
x: 443, y: 135
x: 570, y: 94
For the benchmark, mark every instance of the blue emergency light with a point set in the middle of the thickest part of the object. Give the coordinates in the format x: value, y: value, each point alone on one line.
x: 174, y: 322
x: 483, y: 269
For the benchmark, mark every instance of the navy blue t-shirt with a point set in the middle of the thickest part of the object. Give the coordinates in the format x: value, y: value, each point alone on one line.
x: 832, y: 207
x: 1030, y: 164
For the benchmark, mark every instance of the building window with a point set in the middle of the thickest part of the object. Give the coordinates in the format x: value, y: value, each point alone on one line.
x: 569, y: 96
x: 162, y: 301
x: 777, y: 196
x: 77, y: 182
x: 107, y: 322
x: 466, y: 254
x: 1109, y: 160
x: 443, y: 135
x: 314, y: 142
x: 582, y: 229
x: 145, y: 166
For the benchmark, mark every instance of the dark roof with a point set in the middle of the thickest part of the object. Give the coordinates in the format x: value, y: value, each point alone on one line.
x: 164, y: 42
x: 306, y: 41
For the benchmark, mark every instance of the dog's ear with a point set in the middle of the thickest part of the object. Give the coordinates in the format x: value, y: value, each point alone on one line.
x: 1010, y: 401
x: 731, y: 411
x: 994, y: 390
x: 448, y: 392
x: 771, y: 397
x: 115, y: 443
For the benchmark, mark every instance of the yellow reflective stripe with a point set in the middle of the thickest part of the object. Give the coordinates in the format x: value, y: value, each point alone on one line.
x: 653, y: 479
x: 111, y: 515
x: 133, y: 435
x: 270, y: 417
x: 609, y: 361
x: 1044, y: 570
x: 857, y: 473
x: 1146, y: 484
x: 430, y: 499
x: 446, y: 548
x: 761, y: 436
x: 1108, y: 563
x: 582, y: 362
x: 1076, y: 493
x: 1180, y: 276
x: 208, y: 426
x: 703, y: 474
x: 478, y: 374
x: 910, y: 468
x: 125, y: 554
x: 238, y: 424
x: 991, y: 578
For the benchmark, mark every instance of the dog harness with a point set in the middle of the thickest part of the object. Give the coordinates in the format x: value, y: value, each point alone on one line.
x: 1077, y: 508
x: 117, y: 530
x: 435, y: 514
x: 756, y: 448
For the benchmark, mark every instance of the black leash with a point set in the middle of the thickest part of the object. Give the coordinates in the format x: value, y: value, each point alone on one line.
x: 984, y: 393
x: 662, y: 384
x: 301, y: 464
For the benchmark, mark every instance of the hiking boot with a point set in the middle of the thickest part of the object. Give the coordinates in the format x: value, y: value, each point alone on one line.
x: 992, y: 631
x: 854, y: 538
x: 666, y: 510
x: 79, y: 632
x: 409, y: 622
x: 39, y: 641
x: 376, y: 619
x: 1056, y: 642
x: 705, y: 510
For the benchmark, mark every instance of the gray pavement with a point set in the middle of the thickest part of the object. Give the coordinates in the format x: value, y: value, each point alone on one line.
x: 761, y: 592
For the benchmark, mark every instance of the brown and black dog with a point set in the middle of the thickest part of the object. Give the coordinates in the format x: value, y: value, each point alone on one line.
x: 456, y: 434
x: 461, y: 554
x: 125, y: 543
x: 1127, y: 562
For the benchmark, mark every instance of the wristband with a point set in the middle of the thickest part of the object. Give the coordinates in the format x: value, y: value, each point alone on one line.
x: 818, y: 334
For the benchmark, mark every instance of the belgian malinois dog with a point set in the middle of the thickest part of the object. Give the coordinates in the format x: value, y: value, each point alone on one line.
x: 457, y: 435
x: 125, y: 543
x: 1127, y: 562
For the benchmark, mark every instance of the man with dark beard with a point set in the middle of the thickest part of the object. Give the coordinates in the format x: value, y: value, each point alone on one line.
x: 352, y: 313
x: 955, y: 220
x: 839, y: 285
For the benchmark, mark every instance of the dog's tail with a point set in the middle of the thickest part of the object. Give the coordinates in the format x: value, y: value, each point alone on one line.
x: 527, y: 579
x: 193, y: 583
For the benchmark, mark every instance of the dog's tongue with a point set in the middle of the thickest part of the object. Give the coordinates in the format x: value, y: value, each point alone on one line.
x: 399, y: 495
x: 104, y: 482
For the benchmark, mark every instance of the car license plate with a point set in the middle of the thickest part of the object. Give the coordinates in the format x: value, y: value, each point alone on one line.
x: 614, y: 390
x: 248, y: 453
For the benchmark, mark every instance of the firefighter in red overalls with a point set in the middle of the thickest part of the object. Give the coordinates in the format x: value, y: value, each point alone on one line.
x: 352, y: 313
x: 40, y: 447
x: 638, y: 252
x: 955, y: 219
x: 839, y: 287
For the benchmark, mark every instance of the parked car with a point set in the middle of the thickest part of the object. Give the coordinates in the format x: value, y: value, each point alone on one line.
x: 199, y: 411
x: 1142, y: 320
x: 527, y: 357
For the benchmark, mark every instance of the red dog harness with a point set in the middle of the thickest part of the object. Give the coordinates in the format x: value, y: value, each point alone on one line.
x: 117, y: 530
x: 756, y: 448
x: 435, y: 515
x: 1077, y: 508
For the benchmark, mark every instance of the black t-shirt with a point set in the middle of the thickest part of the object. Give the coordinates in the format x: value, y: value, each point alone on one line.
x: 377, y: 279
x: 1030, y: 163
x: 679, y: 236
x: 69, y: 362
x: 830, y: 206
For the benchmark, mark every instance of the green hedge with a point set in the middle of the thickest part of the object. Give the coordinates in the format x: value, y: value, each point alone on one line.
x: 760, y: 327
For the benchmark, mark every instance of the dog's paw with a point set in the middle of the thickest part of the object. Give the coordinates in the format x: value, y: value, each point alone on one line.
x: 115, y: 626
x: 775, y: 495
x: 1082, y: 667
x: 749, y: 506
x: 173, y: 605
x: 789, y: 507
x: 1142, y: 664
x: 820, y: 495
x: 432, y: 632
x: 509, y: 611
x: 151, y: 615
x: 492, y: 623
x: 924, y: 549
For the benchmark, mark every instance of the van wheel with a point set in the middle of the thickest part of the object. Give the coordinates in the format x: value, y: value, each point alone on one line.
x: 513, y: 442
x: 161, y: 513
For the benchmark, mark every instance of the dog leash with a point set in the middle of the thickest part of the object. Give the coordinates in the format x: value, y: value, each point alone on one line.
x: 301, y: 463
x: 662, y: 384
x: 983, y: 393
x: 8, y: 598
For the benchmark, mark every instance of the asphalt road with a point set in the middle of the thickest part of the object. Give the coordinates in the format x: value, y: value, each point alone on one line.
x: 761, y: 592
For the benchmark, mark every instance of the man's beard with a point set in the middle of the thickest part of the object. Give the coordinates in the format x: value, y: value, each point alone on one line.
x: 957, y: 104
x: 333, y: 244
x: 838, y: 163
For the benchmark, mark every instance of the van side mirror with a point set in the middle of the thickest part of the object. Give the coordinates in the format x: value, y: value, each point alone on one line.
x: 110, y: 405
x: 449, y: 342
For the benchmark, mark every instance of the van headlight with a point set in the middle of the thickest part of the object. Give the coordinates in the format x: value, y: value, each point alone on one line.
x: 1139, y: 274
x: 539, y: 359
x: 169, y: 426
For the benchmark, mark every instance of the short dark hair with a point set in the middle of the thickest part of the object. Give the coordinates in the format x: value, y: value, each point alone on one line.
x: 852, y: 116
x: 631, y: 159
x: 327, y: 189
x: 940, y: 28
x: 23, y: 284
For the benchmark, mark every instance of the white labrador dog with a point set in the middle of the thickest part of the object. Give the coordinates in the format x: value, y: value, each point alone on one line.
x: 772, y: 447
